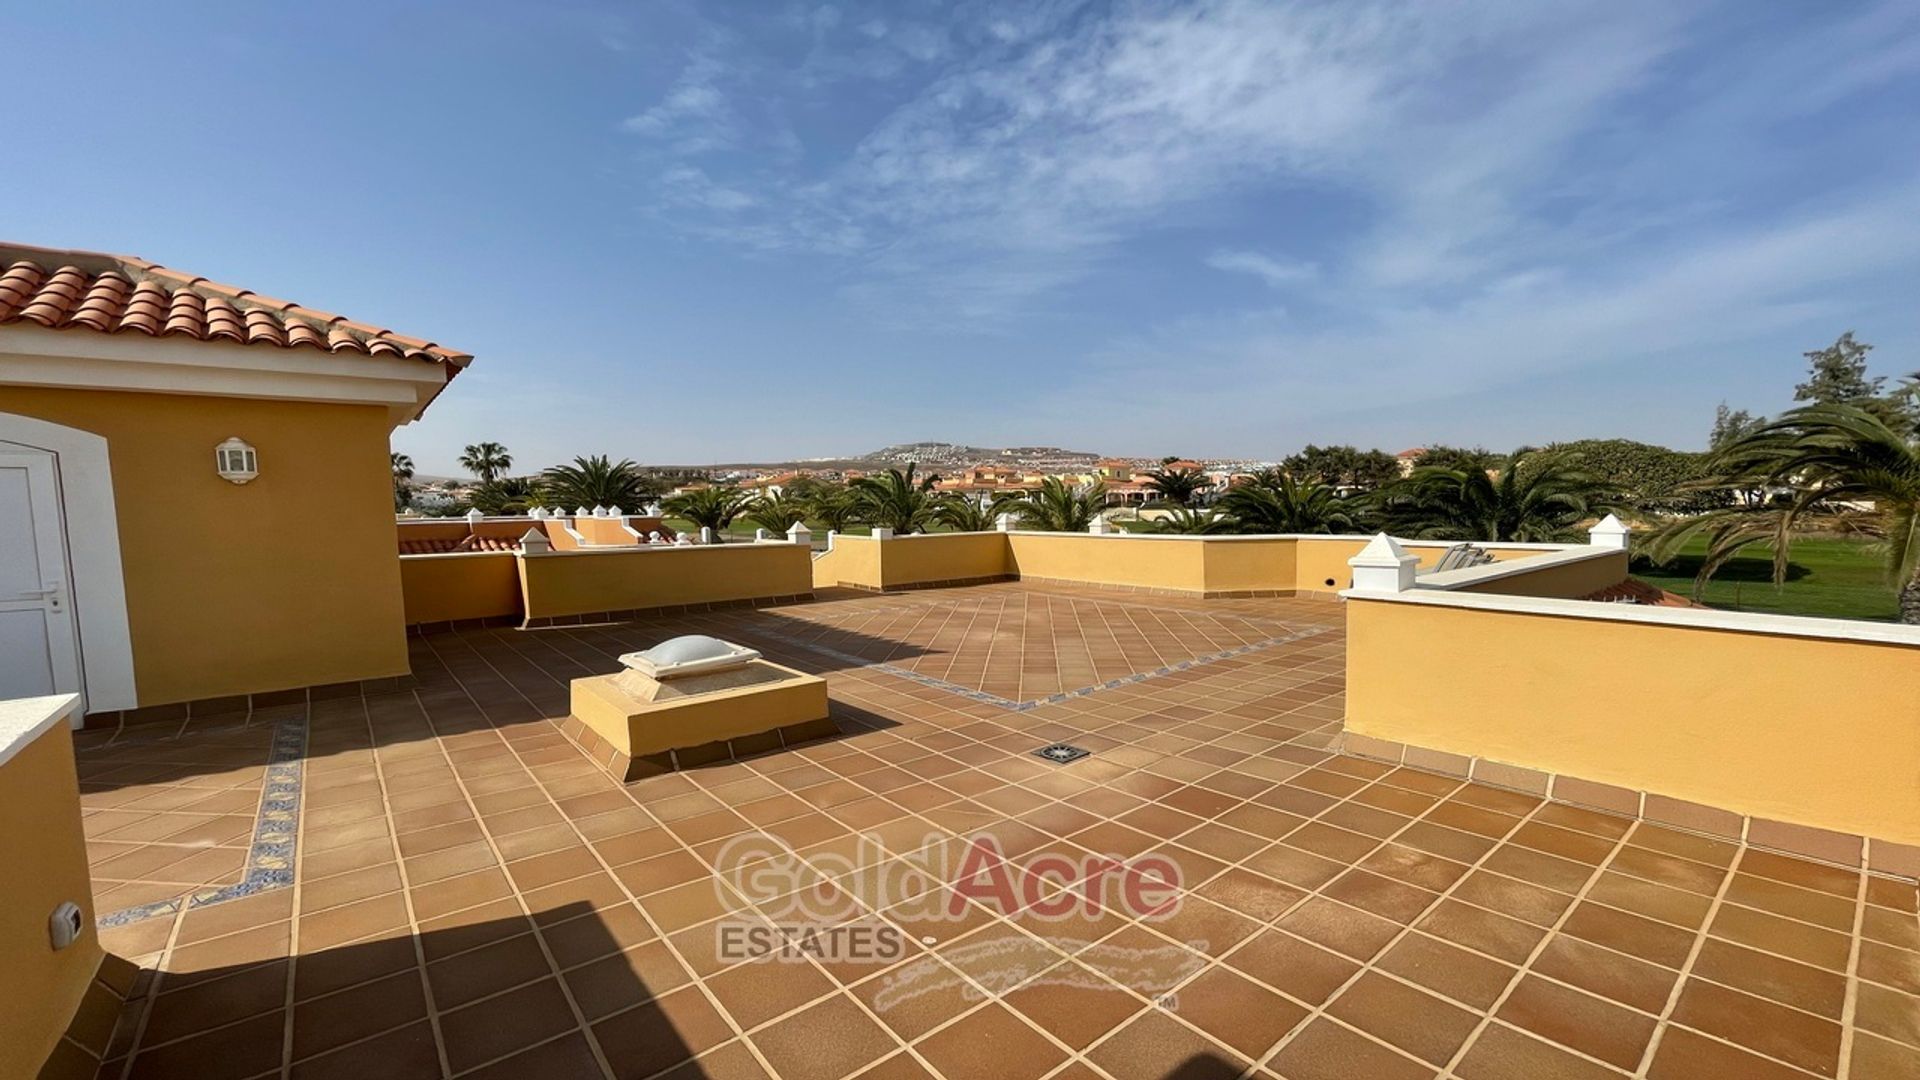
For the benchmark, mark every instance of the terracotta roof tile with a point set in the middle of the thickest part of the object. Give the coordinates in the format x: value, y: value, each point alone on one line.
x: 111, y: 294
x: 1635, y: 591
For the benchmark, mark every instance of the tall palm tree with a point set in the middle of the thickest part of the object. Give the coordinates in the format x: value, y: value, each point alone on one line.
x: 486, y: 460
x: 1060, y: 507
x: 1275, y: 502
x: 777, y: 513
x: 834, y: 506
x: 596, y: 481
x: 709, y: 507
x: 898, y: 500
x: 1539, y: 496
x: 1839, y: 465
x: 1177, y: 486
x: 402, y: 480
x: 964, y: 513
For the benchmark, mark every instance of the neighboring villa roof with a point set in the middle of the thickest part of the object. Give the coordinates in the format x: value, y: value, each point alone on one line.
x: 115, y: 294
x: 1635, y: 591
x: 442, y: 546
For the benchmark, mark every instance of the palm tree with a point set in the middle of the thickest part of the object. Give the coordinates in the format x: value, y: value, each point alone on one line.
x: 1189, y: 521
x: 596, y: 481
x: 1060, y: 507
x: 964, y: 513
x: 1540, y: 496
x: 508, y: 495
x: 1275, y: 502
x: 898, y: 500
x: 709, y: 507
x: 834, y: 506
x: 486, y: 460
x: 402, y: 480
x: 1177, y: 486
x: 776, y: 513
x: 1841, y: 466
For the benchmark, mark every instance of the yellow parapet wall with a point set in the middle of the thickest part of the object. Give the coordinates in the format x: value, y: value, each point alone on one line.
x: 453, y: 587
x: 586, y: 582
x: 1199, y: 565
x: 43, y: 862
x: 1805, y: 721
x: 287, y: 581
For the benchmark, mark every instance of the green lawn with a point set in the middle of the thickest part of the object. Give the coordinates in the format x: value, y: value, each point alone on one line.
x: 1833, y: 577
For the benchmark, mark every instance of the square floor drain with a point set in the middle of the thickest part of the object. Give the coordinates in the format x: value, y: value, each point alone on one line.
x: 1060, y: 753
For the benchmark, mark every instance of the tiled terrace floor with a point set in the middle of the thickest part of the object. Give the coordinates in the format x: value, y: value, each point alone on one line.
x: 472, y: 897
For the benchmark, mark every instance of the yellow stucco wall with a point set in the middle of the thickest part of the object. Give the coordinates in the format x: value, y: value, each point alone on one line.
x: 288, y: 581
x: 1561, y: 580
x: 1250, y: 565
x: 444, y: 588
x: 1138, y: 562
x: 43, y: 861
x: 1808, y: 730
x: 585, y: 582
x: 959, y: 556
x: 854, y: 560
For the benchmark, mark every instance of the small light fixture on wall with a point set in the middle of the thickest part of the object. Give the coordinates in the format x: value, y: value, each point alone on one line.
x: 236, y: 461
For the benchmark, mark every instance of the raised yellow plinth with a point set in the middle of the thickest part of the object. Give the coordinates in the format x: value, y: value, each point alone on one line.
x: 636, y: 727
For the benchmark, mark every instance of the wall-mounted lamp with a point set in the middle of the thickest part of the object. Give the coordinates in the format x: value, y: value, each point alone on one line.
x: 236, y: 461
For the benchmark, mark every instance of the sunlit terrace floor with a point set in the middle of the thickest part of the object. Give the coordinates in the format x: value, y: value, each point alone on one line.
x: 437, y: 882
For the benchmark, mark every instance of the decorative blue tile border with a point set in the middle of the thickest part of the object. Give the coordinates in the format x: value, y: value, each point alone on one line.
x: 1065, y: 695
x: 275, y: 832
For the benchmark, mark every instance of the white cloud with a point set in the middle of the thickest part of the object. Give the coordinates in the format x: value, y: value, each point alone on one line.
x: 1274, y: 272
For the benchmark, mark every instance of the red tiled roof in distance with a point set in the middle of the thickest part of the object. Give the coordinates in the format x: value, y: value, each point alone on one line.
x: 1635, y: 591
x: 114, y: 294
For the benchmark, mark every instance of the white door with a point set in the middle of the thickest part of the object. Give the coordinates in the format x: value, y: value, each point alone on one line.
x: 38, y: 651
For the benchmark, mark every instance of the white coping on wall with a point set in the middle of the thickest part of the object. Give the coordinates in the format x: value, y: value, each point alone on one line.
x: 1679, y: 618
x: 1495, y: 571
x: 1235, y: 538
x: 456, y: 554
x: 638, y: 549
x: 23, y: 720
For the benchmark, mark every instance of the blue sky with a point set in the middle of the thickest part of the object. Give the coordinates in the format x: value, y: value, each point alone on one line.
x: 697, y: 232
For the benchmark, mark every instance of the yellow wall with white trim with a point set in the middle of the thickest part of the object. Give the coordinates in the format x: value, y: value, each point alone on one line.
x: 1808, y: 730
x: 614, y: 579
x: 284, y: 582
x: 44, y: 855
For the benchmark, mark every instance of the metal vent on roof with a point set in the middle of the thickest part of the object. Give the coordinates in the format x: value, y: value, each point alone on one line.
x: 1061, y: 753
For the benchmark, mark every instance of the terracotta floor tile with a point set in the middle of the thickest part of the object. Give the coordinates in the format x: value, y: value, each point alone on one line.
x: 1453, y: 972
x: 1578, y: 1020
x: 661, y: 1033
x: 1074, y: 1003
x: 506, y: 1024
x: 989, y: 1044
x: 487, y: 970
x: 756, y: 992
x: 1155, y: 1045
x: 1504, y: 1053
x: 1324, y: 1050
x: 1302, y: 970
x: 1611, y: 975
x: 826, y: 1041
x: 1417, y: 1022
x: 407, y: 1051
x: 1686, y: 1055
x: 1880, y: 1058
x: 324, y: 1023
x: 214, y: 1002
x: 1759, y: 1025
x: 1346, y: 930
x: 235, y: 1051
x: 1243, y: 1015
x: 1776, y: 978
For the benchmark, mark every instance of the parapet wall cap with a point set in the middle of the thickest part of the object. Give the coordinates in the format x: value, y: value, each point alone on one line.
x: 1382, y: 550
x: 534, y: 536
x: 1609, y: 524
